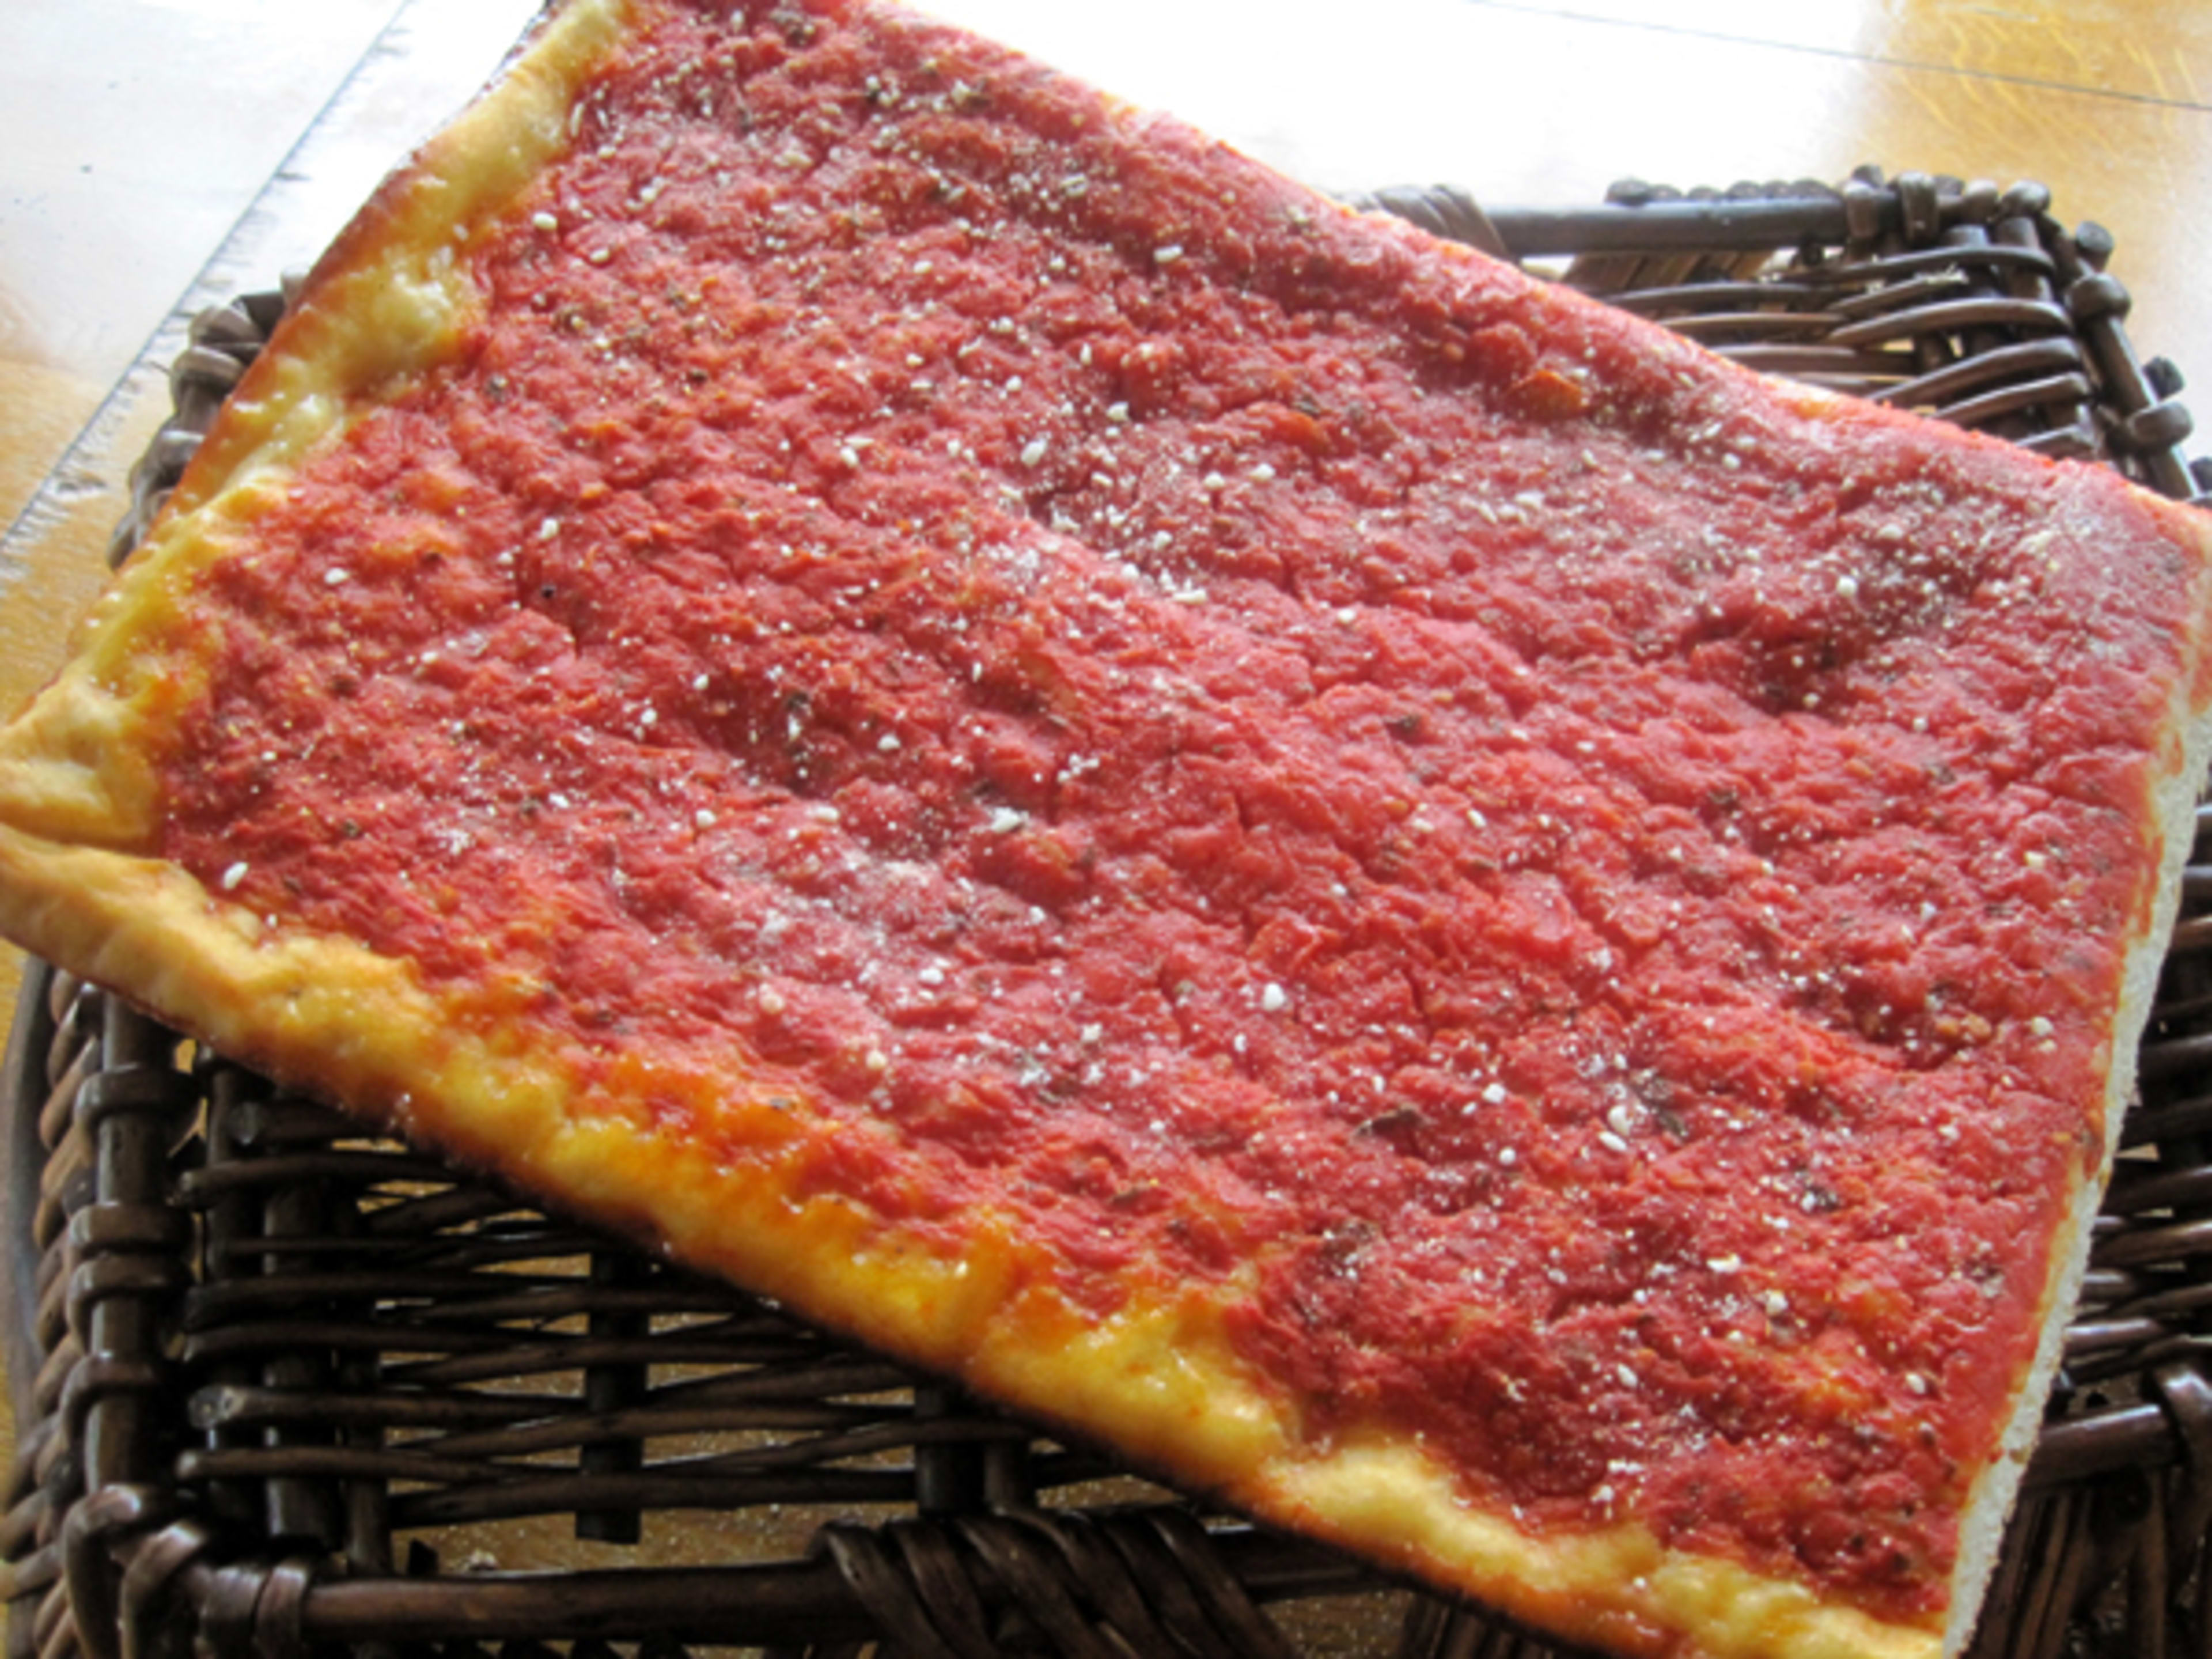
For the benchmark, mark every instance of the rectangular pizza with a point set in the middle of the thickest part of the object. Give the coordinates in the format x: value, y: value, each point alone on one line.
x: 1400, y: 896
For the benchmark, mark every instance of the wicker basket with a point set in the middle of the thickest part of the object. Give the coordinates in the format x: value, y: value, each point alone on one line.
x: 281, y: 1387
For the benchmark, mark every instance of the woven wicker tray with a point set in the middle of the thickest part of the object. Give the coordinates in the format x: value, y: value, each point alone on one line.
x: 281, y: 1387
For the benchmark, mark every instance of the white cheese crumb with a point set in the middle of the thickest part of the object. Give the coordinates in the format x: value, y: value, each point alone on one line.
x: 235, y: 875
x: 1776, y: 1304
x: 1168, y: 254
x: 1117, y: 413
x: 1507, y: 1157
x: 1273, y: 998
x: 770, y: 999
x: 545, y: 222
x: 1034, y: 450
x: 1725, y: 1264
x: 1494, y: 1094
x: 548, y: 529
x: 1005, y: 820
x: 703, y: 818
x: 336, y: 578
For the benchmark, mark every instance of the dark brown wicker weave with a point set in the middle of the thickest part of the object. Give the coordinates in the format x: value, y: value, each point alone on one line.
x: 280, y: 1386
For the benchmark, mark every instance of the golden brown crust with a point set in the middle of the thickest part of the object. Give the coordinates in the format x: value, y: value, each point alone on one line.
x: 78, y: 803
x: 388, y: 300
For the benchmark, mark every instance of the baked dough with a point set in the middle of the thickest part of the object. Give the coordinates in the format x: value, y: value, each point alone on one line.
x: 1403, y: 898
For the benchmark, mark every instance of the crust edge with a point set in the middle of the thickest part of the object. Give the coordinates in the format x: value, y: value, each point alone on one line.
x: 2175, y: 789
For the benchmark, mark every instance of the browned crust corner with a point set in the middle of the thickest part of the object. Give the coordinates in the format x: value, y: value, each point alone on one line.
x: 385, y: 301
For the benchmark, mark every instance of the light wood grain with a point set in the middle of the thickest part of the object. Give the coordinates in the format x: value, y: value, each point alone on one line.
x: 2144, y: 48
x: 1550, y: 104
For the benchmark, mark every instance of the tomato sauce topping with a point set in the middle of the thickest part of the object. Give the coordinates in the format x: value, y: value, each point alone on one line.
x: 1133, y: 701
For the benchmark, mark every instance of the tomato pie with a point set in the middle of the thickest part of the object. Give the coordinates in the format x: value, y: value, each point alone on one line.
x: 1398, y: 894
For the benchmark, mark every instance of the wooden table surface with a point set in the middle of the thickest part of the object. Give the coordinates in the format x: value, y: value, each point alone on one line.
x: 157, y: 154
